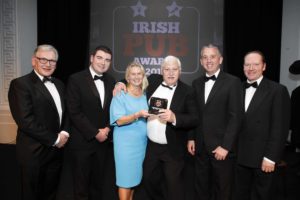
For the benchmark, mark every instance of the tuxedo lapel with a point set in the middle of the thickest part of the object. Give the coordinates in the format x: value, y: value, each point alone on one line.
x: 39, y: 85
x: 217, y: 85
x: 154, y: 82
x: 176, y: 96
x: 201, y: 91
x: 60, y: 92
x: 107, y: 91
x: 258, y: 97
x: 91, y: 84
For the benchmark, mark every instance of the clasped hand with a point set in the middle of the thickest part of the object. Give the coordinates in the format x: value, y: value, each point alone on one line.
x: 166, y: 115
x: 220, y: 153
x: 63, y: 139
x: 102, y: 134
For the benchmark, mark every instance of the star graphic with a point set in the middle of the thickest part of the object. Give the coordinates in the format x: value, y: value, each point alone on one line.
x: 138, y: 9
x: 174, y: 9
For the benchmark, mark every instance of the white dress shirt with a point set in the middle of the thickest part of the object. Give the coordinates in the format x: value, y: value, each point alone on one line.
x: 55, y: 95
x: 248, y: 97
x: 156, y: 128
x: 250, y: 92
x: 209, y: 85
x: 99, y: 85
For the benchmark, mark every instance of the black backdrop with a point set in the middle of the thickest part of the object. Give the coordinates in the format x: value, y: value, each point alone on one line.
x: 253, y: 25
x: 248, y: 25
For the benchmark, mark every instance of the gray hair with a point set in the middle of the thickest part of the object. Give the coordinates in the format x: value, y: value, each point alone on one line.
x: 46, y: 47
x: 171, y: 59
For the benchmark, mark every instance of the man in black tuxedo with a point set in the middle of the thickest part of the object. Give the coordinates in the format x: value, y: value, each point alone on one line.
x: 295, y: 111
x: 167, y: 132
x: 37, y: 105
x: 89, y: 94
x: 264, y: 130
x: 219, y: 101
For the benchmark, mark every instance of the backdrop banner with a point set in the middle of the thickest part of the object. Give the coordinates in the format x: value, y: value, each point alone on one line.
x: 149, y: 30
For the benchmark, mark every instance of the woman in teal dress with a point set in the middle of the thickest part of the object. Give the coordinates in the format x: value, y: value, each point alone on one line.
x: 128, y: 113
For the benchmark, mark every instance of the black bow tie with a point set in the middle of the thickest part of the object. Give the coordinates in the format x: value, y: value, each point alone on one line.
x: 166, y: 86
x: 47, y: 78
x: 207, y: 78
x: 254, y: 84
x: 98, y: 78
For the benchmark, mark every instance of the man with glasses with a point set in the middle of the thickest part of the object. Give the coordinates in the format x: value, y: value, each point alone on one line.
x: 37, y: 105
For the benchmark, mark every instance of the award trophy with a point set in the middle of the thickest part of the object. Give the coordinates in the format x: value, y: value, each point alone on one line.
x: 156, y: 104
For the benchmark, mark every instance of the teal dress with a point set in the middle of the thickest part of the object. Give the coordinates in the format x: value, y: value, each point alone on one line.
x: 130, y: 140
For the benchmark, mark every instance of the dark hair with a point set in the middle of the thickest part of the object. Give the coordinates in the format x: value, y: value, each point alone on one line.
x: 257, y: 52
x: 102, y: 48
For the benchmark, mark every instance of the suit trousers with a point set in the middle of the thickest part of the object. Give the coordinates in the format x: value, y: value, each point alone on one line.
x: 252, y: 183
x: 88, y: 171
x: 158, y: 164
x: 214, y: 178
x: 40, y: 177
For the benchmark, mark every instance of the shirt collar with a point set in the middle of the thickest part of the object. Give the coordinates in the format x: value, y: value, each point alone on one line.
x: 257, y: 80
x: 172, y: 86
x: 93, y: 73
x: 40, y: 76
x: 216, y: 74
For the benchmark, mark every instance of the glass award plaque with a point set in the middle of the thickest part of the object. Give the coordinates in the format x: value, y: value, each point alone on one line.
x: 156, y: 104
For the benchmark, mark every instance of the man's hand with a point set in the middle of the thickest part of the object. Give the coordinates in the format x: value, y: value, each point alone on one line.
x: 191, y: 147
x: 102, y: 135
x: 62, y: 140
x: 118, y: 88
x: 167, y: 115
x: 267, y: 166
x: 220, y: 153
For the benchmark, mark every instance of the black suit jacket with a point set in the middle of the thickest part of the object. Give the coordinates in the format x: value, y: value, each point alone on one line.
x: 295, y: 115
x: 220, y: 116
x: 265, y: 125
x: 36, y: 115
x: 183, y: 105
x: 84, y: 107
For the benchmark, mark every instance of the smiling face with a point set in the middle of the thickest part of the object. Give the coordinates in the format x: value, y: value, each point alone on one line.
x: 44, y: 62
x: 171, y: 69
x: 100, y: 62
x: 135, y: 76
x: 254, y: 66
x: 211, y: 60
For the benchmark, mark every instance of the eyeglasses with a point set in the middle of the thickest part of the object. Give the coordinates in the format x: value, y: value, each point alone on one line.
x: 45, y: 60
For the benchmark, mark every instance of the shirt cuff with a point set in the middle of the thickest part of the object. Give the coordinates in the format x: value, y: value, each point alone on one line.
x: 174, y: 123
x: 57, y: 141
x: 58, y: 138
x: 268, y: 160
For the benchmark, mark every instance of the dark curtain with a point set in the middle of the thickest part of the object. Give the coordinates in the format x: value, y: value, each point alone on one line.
x: 248, y: 25
x: 252, y: 25
x: 65, y: 25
